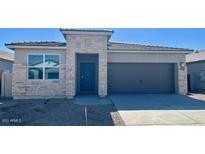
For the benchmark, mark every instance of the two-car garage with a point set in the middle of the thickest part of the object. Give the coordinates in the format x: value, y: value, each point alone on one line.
x: 139, y: 69
x: 141, y: 78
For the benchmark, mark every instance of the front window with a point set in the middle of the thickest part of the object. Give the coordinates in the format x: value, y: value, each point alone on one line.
x: 35, y: 73
x: 43, y: 67
x: 51, y: 67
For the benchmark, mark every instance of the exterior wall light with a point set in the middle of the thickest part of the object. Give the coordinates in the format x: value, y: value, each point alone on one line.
x: 182, y: 65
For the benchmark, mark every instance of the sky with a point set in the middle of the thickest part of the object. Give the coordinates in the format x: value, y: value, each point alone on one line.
x: 193, y: 38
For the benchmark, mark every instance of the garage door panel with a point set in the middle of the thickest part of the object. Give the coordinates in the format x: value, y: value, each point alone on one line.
x: 140, y: 78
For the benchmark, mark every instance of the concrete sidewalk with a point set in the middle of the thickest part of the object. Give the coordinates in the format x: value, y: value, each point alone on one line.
x: 160, y: 109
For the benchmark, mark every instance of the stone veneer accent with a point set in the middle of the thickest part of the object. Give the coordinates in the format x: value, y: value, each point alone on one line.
x: 86, y: 44
x: 182, y: 81
x: 26, y: 89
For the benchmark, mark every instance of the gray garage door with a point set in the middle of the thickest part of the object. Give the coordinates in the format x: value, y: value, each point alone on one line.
x: 140, y: 78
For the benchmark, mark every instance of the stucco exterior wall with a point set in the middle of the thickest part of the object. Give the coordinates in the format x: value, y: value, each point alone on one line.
x: 145, y: 57
x: 23, y: 88
x: 180, y: 74
x: 86, y: 44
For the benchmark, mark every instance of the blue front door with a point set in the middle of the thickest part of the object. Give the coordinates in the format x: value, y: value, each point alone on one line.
x: 87, y: 77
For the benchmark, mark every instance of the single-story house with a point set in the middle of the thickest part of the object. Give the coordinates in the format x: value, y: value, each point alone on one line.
x: 196, y: 71
x: 6, y: 62
x: 89, y: 63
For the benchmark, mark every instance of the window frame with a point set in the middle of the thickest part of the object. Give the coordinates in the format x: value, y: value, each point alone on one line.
x: 44, y: 66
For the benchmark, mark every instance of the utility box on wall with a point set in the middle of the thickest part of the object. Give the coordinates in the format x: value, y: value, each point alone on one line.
x: 6, y: 84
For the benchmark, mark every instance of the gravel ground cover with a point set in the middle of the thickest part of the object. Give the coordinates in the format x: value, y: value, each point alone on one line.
x: 56, y: 112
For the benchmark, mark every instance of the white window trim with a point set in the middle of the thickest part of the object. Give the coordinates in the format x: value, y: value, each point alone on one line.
x: 43, y: 54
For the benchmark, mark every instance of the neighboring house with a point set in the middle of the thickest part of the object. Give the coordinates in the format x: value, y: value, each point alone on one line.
x: 6, y: 62
x: 89, y: 63
x: 196, y: 71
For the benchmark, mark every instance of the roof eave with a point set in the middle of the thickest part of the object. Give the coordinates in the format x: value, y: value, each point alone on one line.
x: 6, y: 59
x: 149, y: 51
x: 194, y: 61
x: 13, y: 47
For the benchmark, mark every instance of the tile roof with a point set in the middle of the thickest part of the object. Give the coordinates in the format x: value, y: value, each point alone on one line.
x: 140, y: 47
x: 41, y: 43
x: 201, y: 50
x: 6, y: 55
x: 111, y: 46
x: 196, y: 56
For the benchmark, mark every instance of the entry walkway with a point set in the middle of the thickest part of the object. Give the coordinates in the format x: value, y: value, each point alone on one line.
x: 87, y: 99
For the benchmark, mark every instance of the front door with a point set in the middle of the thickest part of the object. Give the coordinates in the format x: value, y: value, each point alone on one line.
x: 87, y: 77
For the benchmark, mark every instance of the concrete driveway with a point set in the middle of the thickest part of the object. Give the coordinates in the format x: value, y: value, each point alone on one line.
x: 160, y: 109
